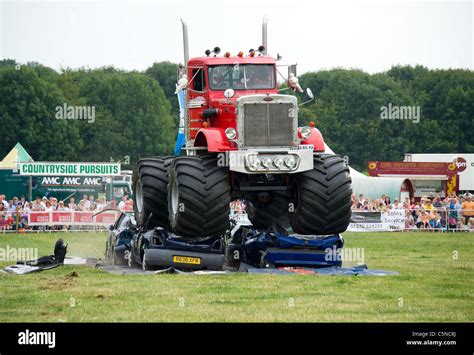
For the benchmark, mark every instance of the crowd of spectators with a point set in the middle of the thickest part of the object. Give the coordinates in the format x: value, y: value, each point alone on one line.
x: 14, y: 212
x: 451, y: 212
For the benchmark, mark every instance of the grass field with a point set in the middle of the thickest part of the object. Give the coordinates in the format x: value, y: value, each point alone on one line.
x: 435, y: 285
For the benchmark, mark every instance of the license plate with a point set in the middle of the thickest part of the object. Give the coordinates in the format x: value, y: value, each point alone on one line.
x: 186, y: 260
x: 306, y: 147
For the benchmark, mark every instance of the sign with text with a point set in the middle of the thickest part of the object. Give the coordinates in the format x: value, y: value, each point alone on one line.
x: 71, y: 218
x: 391, y: 220
x: 69, y: 169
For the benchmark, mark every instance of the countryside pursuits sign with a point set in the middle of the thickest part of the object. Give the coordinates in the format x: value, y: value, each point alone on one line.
x: 69, y: 169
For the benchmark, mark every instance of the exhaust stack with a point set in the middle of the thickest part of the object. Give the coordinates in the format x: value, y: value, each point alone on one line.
x: 264, y: 35
x: 185, y: 42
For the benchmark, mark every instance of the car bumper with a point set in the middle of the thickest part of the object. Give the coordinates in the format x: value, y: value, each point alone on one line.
x: 166, y: 258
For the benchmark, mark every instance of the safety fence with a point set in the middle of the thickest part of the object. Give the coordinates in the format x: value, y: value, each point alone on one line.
x: 433, y: 219
x: 441, y: 219
x: 56, y: 220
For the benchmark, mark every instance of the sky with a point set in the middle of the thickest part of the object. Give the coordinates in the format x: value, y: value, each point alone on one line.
x: 131, y: 35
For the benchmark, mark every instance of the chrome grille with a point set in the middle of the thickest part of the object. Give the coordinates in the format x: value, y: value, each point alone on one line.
x: 268, y: 124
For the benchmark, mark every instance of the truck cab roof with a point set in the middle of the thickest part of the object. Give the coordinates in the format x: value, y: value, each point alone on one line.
x: 209, y: 61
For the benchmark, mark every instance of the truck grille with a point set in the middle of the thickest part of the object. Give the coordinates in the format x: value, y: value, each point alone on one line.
x: 268, y: 124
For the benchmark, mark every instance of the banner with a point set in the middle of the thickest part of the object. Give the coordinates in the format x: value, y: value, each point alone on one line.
x: 72, y: 218
x: 390, y: 220
x: 394, y: 219
x: 365, y: 222
x: 69, y: 169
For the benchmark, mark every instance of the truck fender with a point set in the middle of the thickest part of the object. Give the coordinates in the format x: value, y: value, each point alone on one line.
x: 316, y: 138
x: 214, y: 139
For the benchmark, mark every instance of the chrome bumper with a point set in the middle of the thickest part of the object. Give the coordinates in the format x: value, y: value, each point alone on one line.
x: 270, y: 161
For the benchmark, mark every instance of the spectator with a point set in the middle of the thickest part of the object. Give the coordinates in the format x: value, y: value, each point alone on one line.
x: 387, y: 201
x: 409, y: 220
x: 111, y: 205
x: 102, y: 204
x: 360, y: 203
x: 396, y: 205
x: 37, y: 205
x: 44, y: 200
x: 406, y: 204
x: 471, y: 224
x: 128, y: 206
x: 453, y: 216
x: 48, y: 207
x: 438, y: 204
x: 72, y: 204
x: 11, y: 207
x: 91, y: 206
x: 435, y: 220
x: 355, y: 205
x: 467, y: 209
x: 121, y: 205
x: 428, y: 206
x: 26, y: 210
x: 22, y: 200
x: 354, y: 200
x: 54, y: 203
x: 81, y: 206
x: 5, y: 203
x: 62, y: 207
x: 85, y: 203
x: 366, y: 207
x: 425, y: 220
x: 373, y: 206
x: 15, y: 202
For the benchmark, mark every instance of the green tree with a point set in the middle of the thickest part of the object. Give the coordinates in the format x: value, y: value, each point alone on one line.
x: 166, y: 75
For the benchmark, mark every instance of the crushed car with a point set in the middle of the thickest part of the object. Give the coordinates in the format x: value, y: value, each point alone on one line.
x: 239, y: 248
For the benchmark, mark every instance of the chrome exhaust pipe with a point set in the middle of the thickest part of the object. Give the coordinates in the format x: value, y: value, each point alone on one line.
x: 185, y: 43
x: 264, y: 35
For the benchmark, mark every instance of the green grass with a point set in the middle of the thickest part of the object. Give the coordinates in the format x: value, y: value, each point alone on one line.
x: 432, y: 287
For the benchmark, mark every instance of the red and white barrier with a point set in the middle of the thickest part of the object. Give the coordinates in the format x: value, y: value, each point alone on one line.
x: 72, y: 218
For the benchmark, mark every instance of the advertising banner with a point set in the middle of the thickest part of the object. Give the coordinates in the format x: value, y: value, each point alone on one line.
x: 69, y: 169
x: 72, y: 218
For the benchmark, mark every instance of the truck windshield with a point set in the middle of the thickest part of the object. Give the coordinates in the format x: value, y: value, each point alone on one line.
x: 242, y: 77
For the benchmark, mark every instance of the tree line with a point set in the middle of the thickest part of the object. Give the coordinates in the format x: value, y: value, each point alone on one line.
x: 136, y: 113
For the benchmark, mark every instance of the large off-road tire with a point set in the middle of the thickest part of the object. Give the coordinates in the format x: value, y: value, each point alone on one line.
x: 198, y: 196
x: 150, y: 189
x: 271, y: 212
x: 322, y: 197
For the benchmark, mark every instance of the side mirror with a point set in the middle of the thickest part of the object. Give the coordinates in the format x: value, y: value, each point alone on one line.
x: 292, y: 70
x: 111, y: 227
x: 310, y: 95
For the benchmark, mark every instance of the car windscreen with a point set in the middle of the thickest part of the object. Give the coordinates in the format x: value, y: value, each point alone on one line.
x: 242, y: 77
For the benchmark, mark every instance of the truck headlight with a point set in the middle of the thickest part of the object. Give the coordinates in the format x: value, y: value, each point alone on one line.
x: 290, y: 161
x: 266, y: 162
x: 278, y: 162
x: 231, y: 133
x: 305, y: 132
x: 254, y: 161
